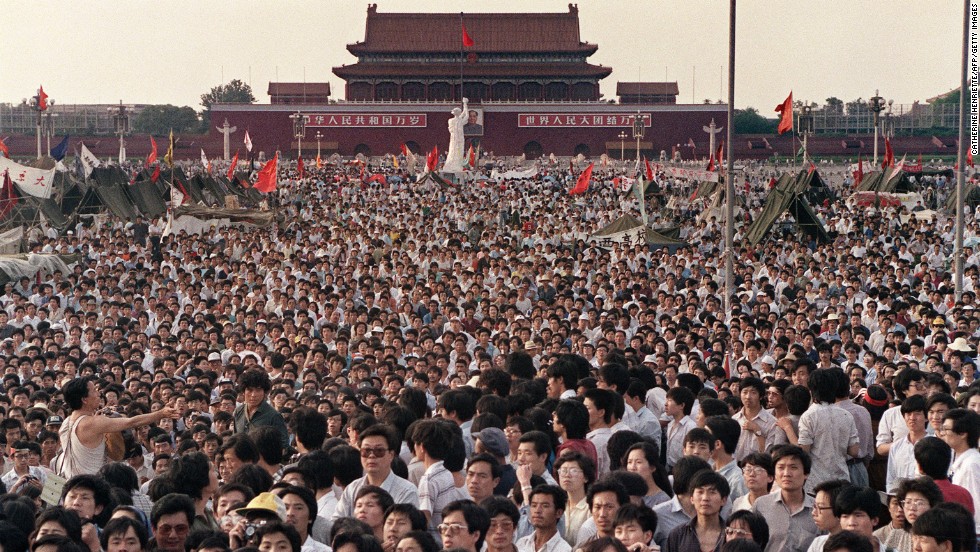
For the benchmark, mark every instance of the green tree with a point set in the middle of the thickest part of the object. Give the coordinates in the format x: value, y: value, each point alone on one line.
x: 235, y: 91
x: 748, y: 121
x: 834, y: 104
x: 160, y: 119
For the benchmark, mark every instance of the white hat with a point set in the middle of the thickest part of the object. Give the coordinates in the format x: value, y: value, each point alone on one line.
x: 650, y: 358
x: 962, y: 345
x: 214, y: 356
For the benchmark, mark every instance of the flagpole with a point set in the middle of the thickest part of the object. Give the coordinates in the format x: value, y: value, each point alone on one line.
x: 961, y: 156
x: 460, y: 58
x: 729, y: 182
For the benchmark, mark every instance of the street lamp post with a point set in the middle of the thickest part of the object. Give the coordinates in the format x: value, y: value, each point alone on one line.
x: 806, y: 127
x: 876, y: 104
x: 299, y: 129
x: 638, y: 131
x: 121, y: 119
x: 49, y: 125
x: 622, y: 145
x: 318, y: 138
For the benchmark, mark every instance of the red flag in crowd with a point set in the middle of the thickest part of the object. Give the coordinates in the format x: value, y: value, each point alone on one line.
x: 432, y: 160
x: 267, y: 176
x: 785, y: 109
x: 969, y: 156
x: 8, y: 199
x: 720, y: 155
x: 583, y: 181
x: 467, y: 39
x: 404, y: 150
x: 42, y: 99
x: 772, y: 182
x: 152, y: 158
x: 299, y: 167
x: 3, y: 148
x: 889, y: 159
x: 711, y: 163
x: 156, y: 174
x: 231, y: 168
x: 319, y: 163
x: 859, y: 174
x: 812, y: 168
x: 472, y: 156
x: 649, y: 170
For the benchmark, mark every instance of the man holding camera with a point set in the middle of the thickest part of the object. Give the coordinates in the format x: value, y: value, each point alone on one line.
x: 22, y: 473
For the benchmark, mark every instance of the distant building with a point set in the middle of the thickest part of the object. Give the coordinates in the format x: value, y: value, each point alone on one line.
x: 647, y: 92
x: 515, y: 57
x: 299, y: 93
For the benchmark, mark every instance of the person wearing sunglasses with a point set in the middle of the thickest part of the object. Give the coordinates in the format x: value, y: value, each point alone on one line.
x: 378, y: 447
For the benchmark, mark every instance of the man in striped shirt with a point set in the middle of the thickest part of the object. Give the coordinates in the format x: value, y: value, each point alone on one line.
x: 437, y: 487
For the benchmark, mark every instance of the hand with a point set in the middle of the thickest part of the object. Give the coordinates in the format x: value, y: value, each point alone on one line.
x: 90, y: 536
x: 236, y: 536
x: 168, y: 412
x: 750, y: 425
x: 524, y: 474
x: 784, y: 423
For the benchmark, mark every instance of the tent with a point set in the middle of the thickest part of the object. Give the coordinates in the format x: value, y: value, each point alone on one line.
x: 13, y: 267
x: 110, y: 185
x: 888, y: 180
x: 789, y: 195
x: 972, y: 197
x: 628, y: 230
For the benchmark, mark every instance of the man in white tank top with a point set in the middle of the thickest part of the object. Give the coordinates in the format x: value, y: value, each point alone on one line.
x: 83, y: 435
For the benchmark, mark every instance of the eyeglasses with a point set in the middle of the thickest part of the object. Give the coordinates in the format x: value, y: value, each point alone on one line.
x: 750, y: 469
x: 818, y: 508
x: 376, y: 452
x: 570, y: 471
x: 735, y: 532
x: 914, y: 503
x: 501, y: 525
x: 451, y: 528
x: 178, y: 529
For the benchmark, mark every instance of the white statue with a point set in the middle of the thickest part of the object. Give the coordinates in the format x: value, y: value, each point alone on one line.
x: 455, y: 154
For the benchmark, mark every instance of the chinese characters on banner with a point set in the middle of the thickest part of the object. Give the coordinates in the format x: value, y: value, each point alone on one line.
x: 362, y: 120
x: 578, y: 120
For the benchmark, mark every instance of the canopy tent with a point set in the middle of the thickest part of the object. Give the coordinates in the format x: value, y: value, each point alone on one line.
x: 789, y: 195
x: 971, y: 197
x: 110, y: 185
x: 14, y: 267
x: 628, y: 230
x: 247, y: 216
x: 888, y: 180
x: 817, y: 191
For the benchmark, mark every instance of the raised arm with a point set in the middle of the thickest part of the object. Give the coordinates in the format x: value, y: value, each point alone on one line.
x: 94, y: 425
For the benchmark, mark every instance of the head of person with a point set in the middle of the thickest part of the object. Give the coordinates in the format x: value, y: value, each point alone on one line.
x: 171, y: 519
x: 948, y: 527
x: 709, y: 492
x: 533, y: 449
x: 726, y: 432
x: 917, y: 496
x: 699, y: 442
x: 301, y: 507
x: 823, y: 504
x: 254, y: 385
x: 604, y: 498
x: 634, y: 524
x: 400, y: 519
x: 77, y: 390
x: 858, y: 509
x: 279, y: 536
x: 604, y: 544
x: 792, y: 465
x: 378, y: 446
x: 417, y: 541
x: 482, y: 476
x: 933, y: 456
x: 370, y: 505
x: 89, y: 496
x: 546, y: 504
x: 824, y: 383
x: 758, y: 472
x: 464, y: 525
x: 746, y: 524
x: 961, y: 429
x: 124, y: 534
x: 504, y: 517
x: 57, y: 543
x: 848, y: 541
x: 58, y: 520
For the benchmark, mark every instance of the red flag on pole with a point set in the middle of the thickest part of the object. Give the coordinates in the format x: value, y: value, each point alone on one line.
x: 152, y: 158
x: 156, y: 174
x: 720, y: 155
x: 267, y: 176
x: 3, y: 148
x: 404, y: 150
x: 812, y: 168
x: 711, y: 162
x: 233, y: 166
x: 889, y: 159
x: 785, y: 109
x: 432, y: 160
x: 859, y: 174
x: 583, y: 181
x: 649, y: 170
x: 299, y: 167
x: 467, y: 39
x: 42, y: 99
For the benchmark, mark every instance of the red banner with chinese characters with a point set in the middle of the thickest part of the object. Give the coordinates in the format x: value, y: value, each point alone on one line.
x: 579, y: 120
x: 362, y: 120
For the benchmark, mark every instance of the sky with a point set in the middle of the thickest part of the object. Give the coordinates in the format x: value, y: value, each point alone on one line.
x: 141, y: 52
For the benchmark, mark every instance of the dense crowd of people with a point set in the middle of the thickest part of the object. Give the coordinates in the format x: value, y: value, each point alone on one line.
x: 402, y: 366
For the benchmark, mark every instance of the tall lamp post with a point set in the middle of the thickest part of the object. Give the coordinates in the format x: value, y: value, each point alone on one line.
x: 876, y: 104
x: 318, y: 138
x: 806, y: 127
x: 299, y: 129
x: 36, y: 106
x: 622, y: 145
x: 121, y: 120
x: 49, y: 125
x: 638, y: 131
